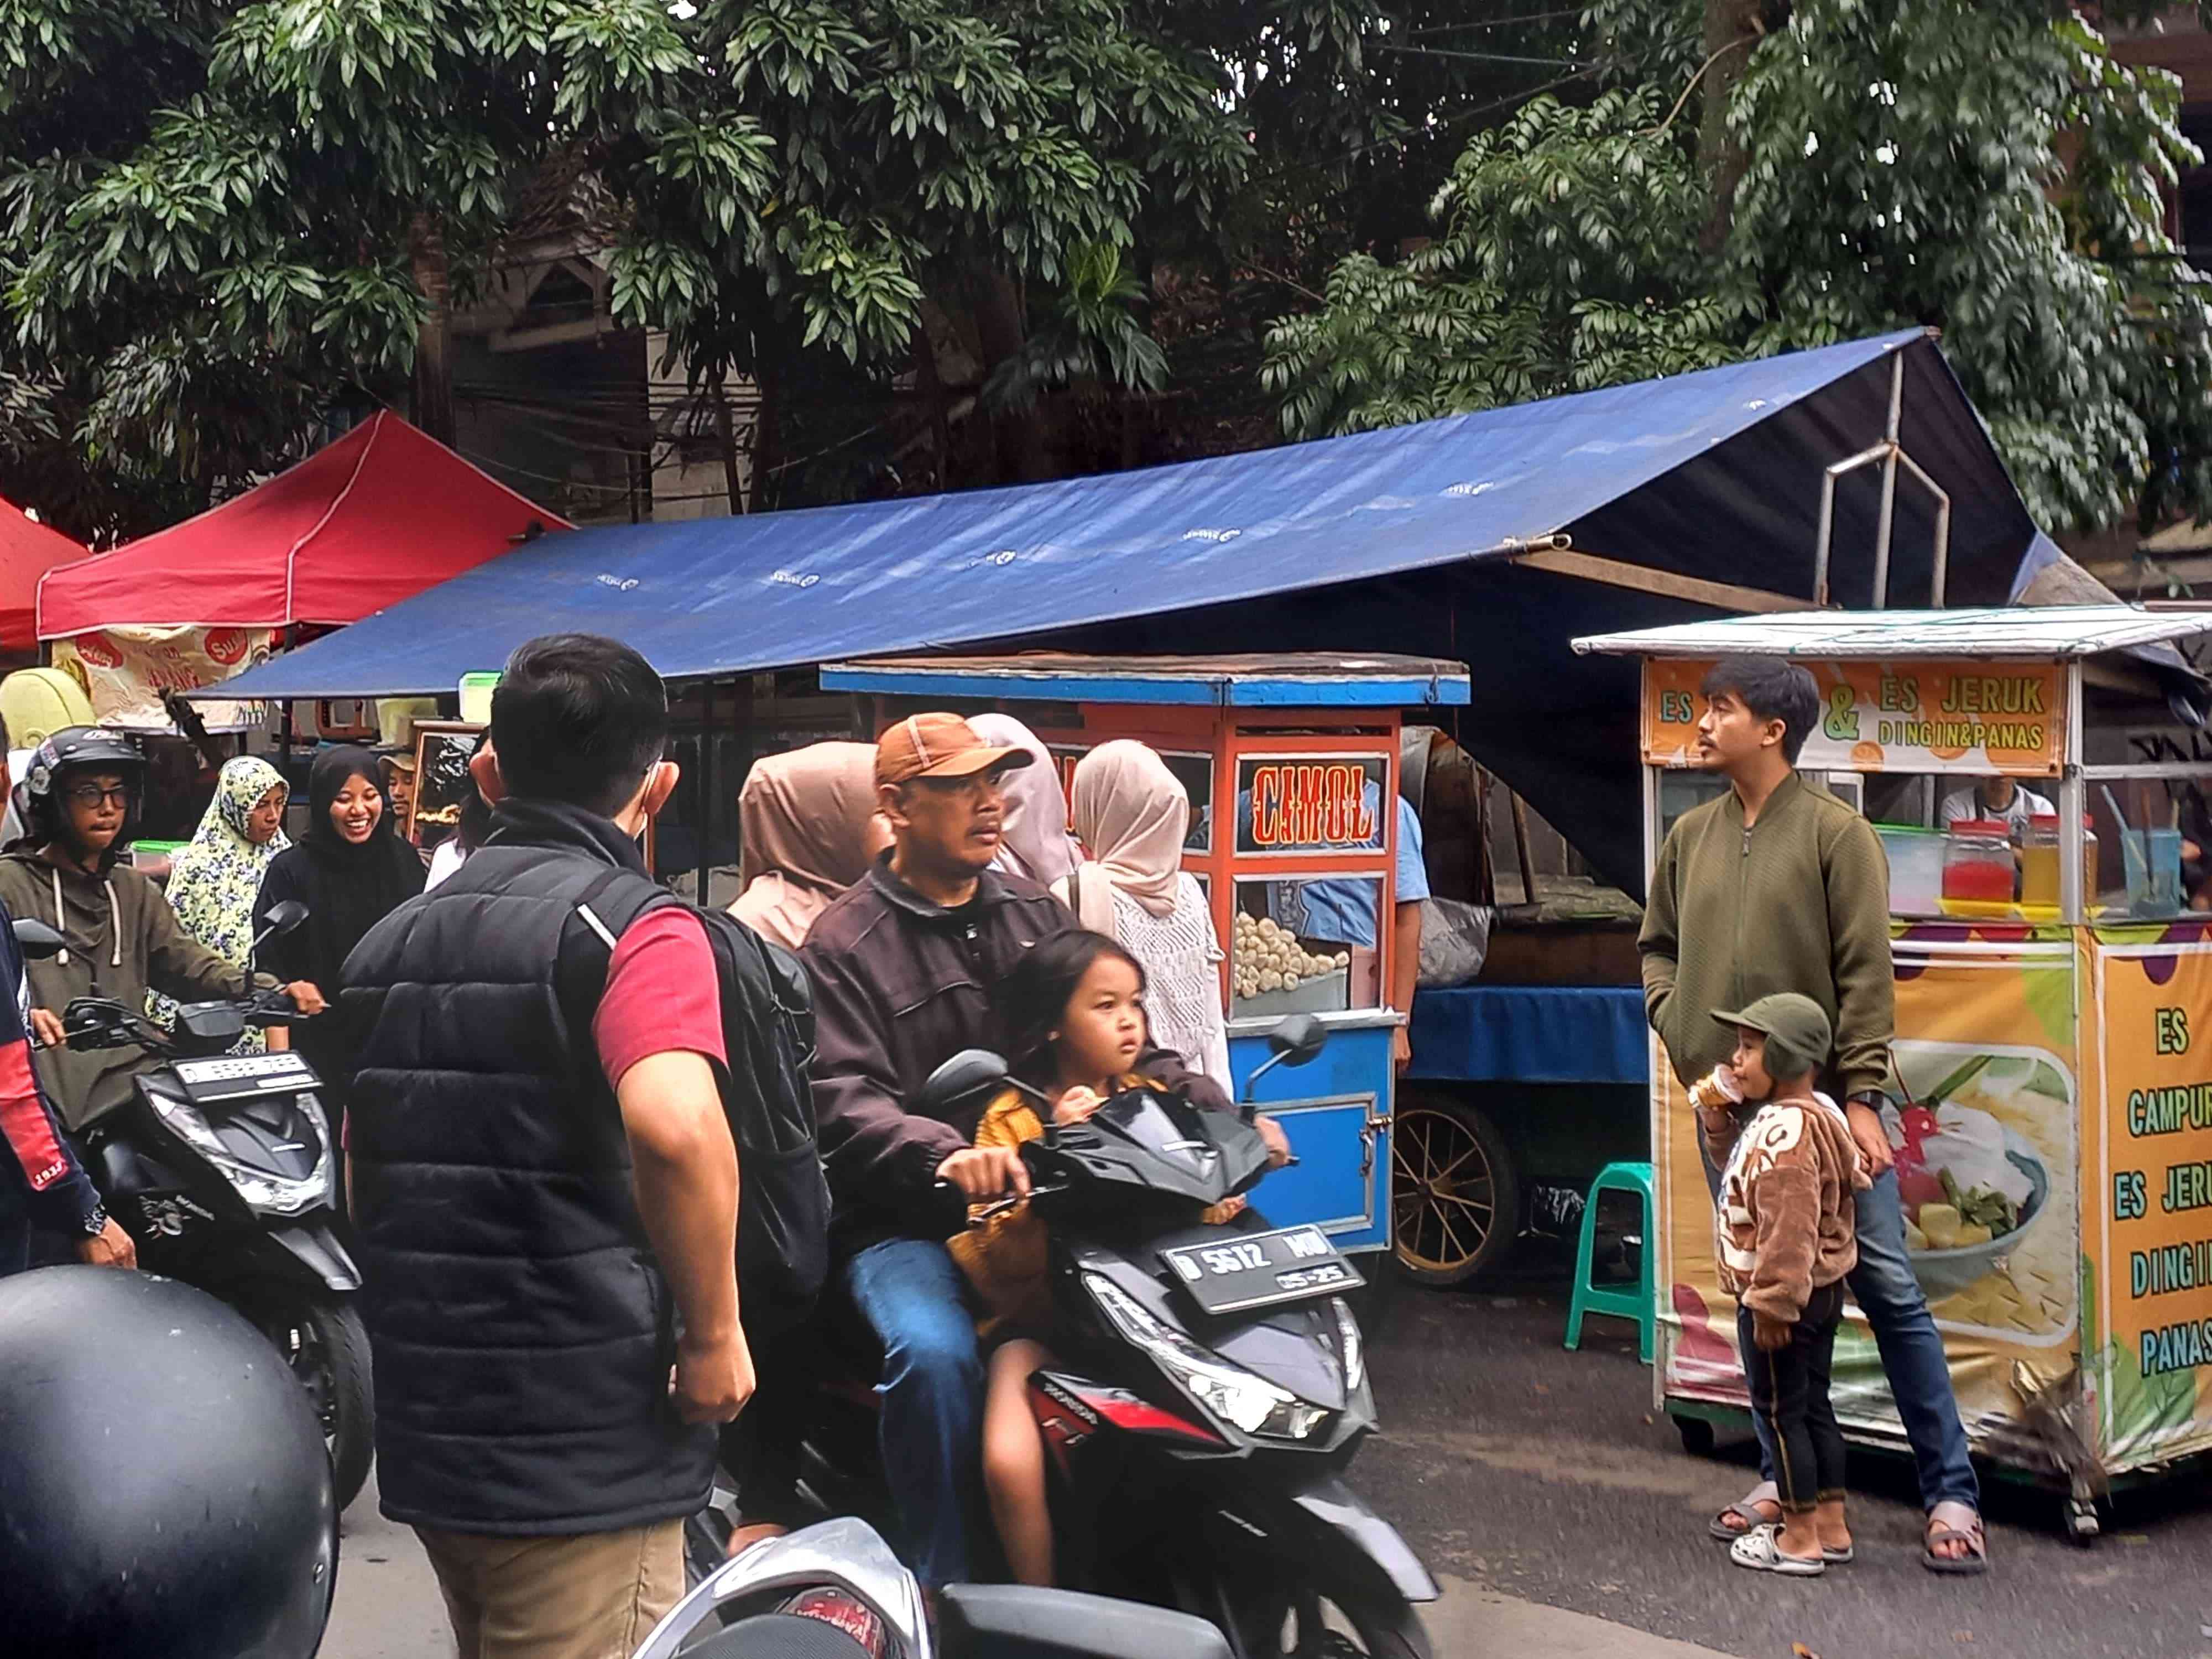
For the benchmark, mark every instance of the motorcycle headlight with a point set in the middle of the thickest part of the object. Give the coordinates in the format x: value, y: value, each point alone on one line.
x: 1348, y: 1341
x: 262, y: 1191
x: 1230, y: 1392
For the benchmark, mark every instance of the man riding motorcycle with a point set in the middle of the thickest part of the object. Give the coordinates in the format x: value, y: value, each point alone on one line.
x: 902, y: 967
x: 79, y: 798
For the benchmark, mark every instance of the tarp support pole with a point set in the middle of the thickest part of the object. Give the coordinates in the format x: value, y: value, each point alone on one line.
x: 706, y: 790
x: 1641, y: 579
x: 1823, y: 537
x: 1888, y: 486
x: 1942, y: 528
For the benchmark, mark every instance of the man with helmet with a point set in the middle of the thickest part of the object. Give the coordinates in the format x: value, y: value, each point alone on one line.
x: 79, y: 797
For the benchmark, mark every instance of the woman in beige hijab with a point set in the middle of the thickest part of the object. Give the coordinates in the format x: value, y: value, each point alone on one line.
x: 1131, y: 816
x: 1033, y: 838
x: 808, y: 828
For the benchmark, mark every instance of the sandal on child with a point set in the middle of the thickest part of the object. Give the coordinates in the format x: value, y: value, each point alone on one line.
x: 1952, y: 1521
x: 1760, y: 1550
x: 1747, y: 1506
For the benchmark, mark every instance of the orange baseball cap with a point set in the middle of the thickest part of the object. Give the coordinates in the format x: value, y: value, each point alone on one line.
x: 939, y: 746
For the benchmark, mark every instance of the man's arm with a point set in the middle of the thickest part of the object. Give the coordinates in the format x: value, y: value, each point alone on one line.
x: 1412, y: 887
x: 61, y: 1192
x: 179, y: 966
x: 1658, y: 940
x: 1866, y: 983
x: 684, y: 1171
x: 876, y: 1152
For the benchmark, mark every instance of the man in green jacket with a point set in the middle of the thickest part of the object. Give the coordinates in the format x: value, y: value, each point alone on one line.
x: 1778, y: 886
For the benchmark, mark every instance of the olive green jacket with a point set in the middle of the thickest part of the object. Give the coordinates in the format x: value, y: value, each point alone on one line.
x: 1800, y: 901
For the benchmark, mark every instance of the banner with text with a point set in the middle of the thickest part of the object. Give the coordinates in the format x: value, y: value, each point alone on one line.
x: 2151, y: 1204
x: 1976, y: 718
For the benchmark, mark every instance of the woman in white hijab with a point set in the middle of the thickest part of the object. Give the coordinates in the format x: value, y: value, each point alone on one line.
x: 1033, y: 838
x: 1131, y: 816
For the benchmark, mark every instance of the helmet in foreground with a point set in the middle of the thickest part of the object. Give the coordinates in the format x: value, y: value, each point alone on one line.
x: 164, y: 1486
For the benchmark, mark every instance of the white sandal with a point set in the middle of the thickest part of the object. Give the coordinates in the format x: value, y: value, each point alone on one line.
x: 1760, y: 1550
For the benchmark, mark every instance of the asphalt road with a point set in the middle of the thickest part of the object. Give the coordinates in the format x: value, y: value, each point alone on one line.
x: 1548, y: 1476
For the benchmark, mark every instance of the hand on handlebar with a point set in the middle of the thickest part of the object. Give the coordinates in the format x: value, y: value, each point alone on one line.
x: 1279, y: 1144
x: 982, y: 1173
x: 111, y: 1246
x: 305, y: 997
x: 46, y: 1028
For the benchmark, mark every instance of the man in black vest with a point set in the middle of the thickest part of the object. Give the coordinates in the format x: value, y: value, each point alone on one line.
x: 545, y: 1187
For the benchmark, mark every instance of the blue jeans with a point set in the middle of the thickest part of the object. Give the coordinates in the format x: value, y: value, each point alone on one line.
x: 911, y: 1294
x: 1911, y: 1350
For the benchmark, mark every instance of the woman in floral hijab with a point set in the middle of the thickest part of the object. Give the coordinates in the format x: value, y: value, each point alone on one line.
x: 216, y: 877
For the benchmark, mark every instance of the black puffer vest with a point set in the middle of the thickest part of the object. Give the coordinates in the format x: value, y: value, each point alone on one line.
x: 521, y: 1330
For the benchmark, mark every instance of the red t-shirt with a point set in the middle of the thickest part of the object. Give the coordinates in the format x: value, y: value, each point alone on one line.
x: 662, y: 993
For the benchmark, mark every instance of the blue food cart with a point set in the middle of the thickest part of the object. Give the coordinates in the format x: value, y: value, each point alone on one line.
x: 1291, y: 766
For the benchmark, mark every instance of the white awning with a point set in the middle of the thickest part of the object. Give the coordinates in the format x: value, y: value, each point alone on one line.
x: 2041, y: 634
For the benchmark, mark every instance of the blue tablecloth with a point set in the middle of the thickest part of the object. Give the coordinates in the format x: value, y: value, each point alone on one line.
x: 1531, y: 1034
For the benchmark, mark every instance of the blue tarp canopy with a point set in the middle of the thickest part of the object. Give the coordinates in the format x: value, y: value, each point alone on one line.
x: 1401, y: 540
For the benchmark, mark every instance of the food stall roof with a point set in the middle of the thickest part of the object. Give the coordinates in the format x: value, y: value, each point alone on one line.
x: 2038, y: 634
x: 1302, y: 680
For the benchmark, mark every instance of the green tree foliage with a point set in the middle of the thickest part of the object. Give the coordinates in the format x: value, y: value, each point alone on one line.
x: 1981, y: 166
x: 218, y: 220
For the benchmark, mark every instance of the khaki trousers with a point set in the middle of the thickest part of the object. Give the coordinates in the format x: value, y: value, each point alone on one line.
x: 591, y: 1596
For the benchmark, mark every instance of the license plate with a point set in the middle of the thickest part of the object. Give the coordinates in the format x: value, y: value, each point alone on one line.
x: 1259, y: 1270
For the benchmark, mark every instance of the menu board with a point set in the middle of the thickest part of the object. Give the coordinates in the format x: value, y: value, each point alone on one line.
x: 1973, y: 718
x: 443, y: 750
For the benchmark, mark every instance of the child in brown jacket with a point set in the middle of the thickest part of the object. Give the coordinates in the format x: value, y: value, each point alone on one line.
x: 1783, y: 1240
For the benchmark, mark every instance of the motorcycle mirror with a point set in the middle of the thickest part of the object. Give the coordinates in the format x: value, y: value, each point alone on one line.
x: 284, y: 916
x: 969, y: 1072
x: 37, y: 940
x: 1019, y: 1622
x: 1298, y: 1039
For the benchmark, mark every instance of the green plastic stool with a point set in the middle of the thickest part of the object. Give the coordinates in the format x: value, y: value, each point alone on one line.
x: 1590, y: 1298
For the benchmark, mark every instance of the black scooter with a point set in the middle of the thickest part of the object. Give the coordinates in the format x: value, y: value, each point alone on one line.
x: 1211, y: 1387
x: 220, y: 1168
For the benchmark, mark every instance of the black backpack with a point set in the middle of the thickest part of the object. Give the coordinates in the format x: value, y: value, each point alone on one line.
x: 768, y: 1031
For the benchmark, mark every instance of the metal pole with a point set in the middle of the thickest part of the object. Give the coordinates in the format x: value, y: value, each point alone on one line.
x: 2073, y: 804
x: 1888, y: 487
x: 1942, y: 527
x: 706, y: 873
x: 1820, y: 541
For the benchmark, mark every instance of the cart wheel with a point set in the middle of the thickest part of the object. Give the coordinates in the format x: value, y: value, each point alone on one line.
x: 1455, y: 1199
x: 1697, y: 1436
x: 2082, y: 1524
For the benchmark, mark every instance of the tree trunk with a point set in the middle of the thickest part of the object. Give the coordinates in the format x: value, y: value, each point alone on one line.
x: 767, y: 437
x: 1002, y: 327
x: 434, y: 364
x: 1732, y: 27
x: 727, y: 437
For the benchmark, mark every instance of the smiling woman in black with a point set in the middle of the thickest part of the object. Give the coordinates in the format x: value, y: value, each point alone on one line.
x: 351, y: 870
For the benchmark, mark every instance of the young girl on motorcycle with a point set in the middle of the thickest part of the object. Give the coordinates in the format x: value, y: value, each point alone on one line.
x: 1075, y: 1021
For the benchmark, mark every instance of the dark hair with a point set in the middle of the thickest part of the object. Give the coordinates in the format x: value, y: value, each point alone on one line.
x: 1773, y: 689
x: 1036, y: 994
x: 473, y: 827
x: 578, y: 718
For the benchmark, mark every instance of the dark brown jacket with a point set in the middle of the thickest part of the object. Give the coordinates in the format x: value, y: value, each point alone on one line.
x: 900, y: 985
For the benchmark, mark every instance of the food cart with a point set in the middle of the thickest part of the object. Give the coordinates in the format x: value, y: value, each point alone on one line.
x: 2056, y: 1024
x: 1292, y: 765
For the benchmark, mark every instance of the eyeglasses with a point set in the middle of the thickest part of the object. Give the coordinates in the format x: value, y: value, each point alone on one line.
x: 91, y: 795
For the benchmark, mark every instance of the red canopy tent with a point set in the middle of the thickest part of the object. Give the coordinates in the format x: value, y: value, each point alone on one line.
x: 27, y: 550
x: 380, y: 515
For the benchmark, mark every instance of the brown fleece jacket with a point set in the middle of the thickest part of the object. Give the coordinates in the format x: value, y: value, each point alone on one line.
x: 1784, y: 1224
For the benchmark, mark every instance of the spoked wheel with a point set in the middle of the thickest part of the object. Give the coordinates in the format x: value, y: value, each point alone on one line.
x: 1454, y: 1201
x: 327, y: 1349
x: 1307, y: 1624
